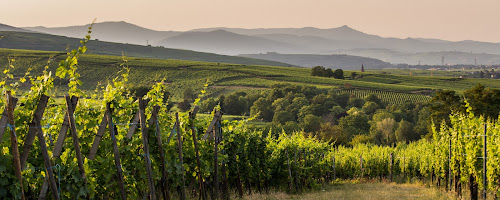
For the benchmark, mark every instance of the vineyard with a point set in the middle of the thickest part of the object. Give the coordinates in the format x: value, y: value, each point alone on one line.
x: 111, y: 151
x: 109, y: 144
x: 389, y: 97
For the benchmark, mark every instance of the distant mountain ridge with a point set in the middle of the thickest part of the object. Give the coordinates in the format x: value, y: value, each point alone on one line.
x: 121, y: 32
x: 307, y: 40
x: 224, y: 42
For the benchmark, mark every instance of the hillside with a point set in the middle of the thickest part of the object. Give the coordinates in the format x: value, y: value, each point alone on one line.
x: 307, y: 40
x: 5, y: 27
x: 120, y: 32
x: 425, y: 58
x: 345, y: 62
x: 224, y: 42
x: 178, y: 74
x: 45, y: 42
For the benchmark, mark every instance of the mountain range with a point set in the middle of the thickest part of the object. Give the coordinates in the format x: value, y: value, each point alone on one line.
x: 296, y: 41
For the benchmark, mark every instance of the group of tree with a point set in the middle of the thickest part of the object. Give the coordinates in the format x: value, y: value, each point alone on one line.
x: 327, y: 114
x: 343, y: 119
x: 489, y: 74
x: 483, y: 102
x: 323, y: 72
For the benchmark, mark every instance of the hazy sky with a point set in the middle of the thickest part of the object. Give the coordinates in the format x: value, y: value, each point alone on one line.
x: 442, y: 19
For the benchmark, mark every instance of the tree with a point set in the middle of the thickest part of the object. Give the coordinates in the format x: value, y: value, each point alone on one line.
x: 386, y: 127
x: 375, y: 99
x: 484, y: 101
x: 404, y: 132
x: 235, y: 104
x: 353, y: 75
x: 281, y: 117
x: 208, y: 105
x: 328, y: 73
x: 318, y: 71
x: 370, y: 107
x: 261, y: 109
x: 332, y: 133
x: 442, y: 105
x: 184, y: 105
x: 338, y: 74
x: 311, y: 123
x: 187, y: 94
x: 355, y: 102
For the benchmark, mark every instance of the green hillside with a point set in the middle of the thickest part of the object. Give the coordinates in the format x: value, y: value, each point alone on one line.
x: 223, y: 77
x: 46, y: 42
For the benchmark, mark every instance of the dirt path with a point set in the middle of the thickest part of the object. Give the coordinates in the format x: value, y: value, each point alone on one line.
x: 360, y: 191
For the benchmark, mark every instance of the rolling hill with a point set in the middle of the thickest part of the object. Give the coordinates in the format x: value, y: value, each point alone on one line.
x: 345, y: 62
x: 5, y: 27
x: 224, y: 42
x: 307, y: 40
x: 121, y: 32
x: 39, y: 41
x: 425, y: 58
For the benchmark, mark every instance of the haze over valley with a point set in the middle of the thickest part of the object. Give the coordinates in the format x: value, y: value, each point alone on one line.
x: 293, y: 44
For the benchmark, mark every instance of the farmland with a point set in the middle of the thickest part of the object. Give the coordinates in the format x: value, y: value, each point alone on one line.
x: 98, y: 69
x: 236, y: 158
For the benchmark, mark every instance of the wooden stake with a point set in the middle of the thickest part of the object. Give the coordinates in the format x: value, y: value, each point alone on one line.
x: 391, y: 165
x: 74, y: 134
x: 164, y: 179
x: 240, y: 188
x: 334, y: 172
x: 58, y: 146
x: 115, y: 151
x: 13, y: 140
x: 4, y: 119
x: 144, y: 130
x: 192, y: 116
x: 133, y: 126
x: 223, y: 164
x: 64, y: 130
x: 485, y: 183
x: 179, y: 147
x: 289, y: 169
x: 98, y: 136
x: 37, y: 118
x: 30, y: 137
x: 216, y: 164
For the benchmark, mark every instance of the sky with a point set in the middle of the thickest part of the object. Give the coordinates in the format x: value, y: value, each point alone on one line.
x: 453, y: 20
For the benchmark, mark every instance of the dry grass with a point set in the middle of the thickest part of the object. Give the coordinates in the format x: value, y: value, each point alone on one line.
x: 359, y: 191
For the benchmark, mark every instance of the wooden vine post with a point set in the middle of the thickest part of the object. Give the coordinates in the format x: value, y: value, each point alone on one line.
x: 485, y: 154
x: 144, y: 130
x: 192, y: 116
x: 450, y: 182
x: 164, y: 178
x: 37, y: 118
x: 225, y: 190
x: 334, y: 171
x: 391, y: 166
x: 116, y: 153
x: 212, y: 131
x: 13, y: 140
x: 5, y: 118
x: 361, y: 165
x: 179, y: 148
x: 107, y: 120
x: 74, y: 134
x: 59, y: 145
x: 289, y: 169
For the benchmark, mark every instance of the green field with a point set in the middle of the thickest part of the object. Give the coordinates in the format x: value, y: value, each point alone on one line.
x: 96, y: 70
